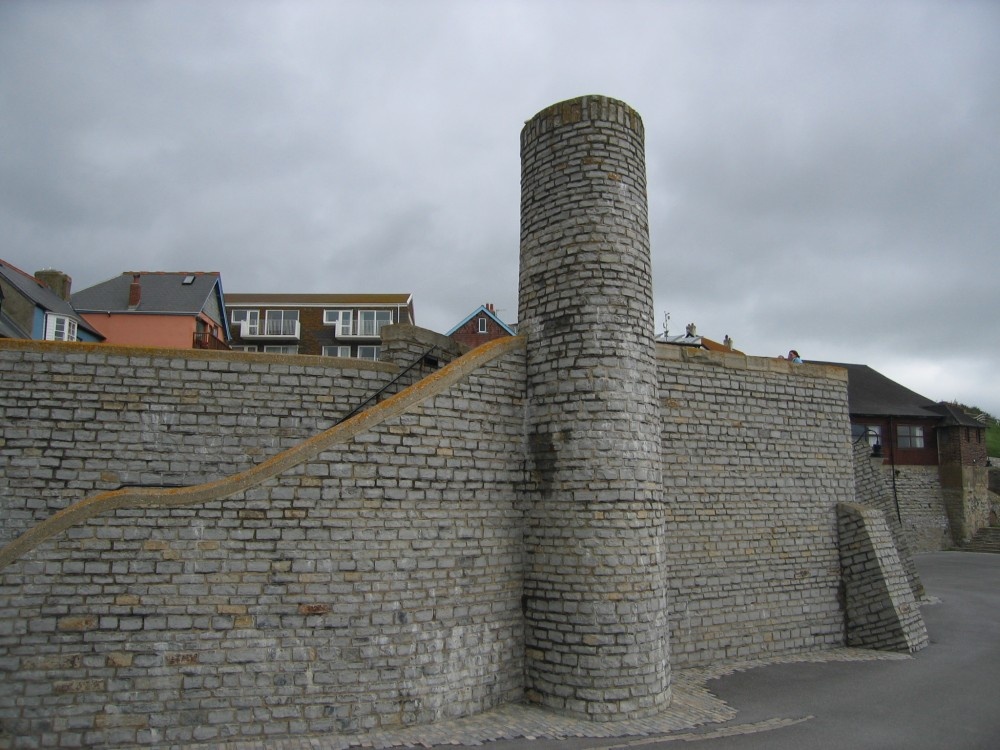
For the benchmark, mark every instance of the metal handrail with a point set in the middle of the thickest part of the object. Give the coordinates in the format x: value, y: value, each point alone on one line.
x: 374, y: 397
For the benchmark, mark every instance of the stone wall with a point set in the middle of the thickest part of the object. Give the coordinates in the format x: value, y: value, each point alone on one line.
x: 595, y: 616
x: 378, y: 584
x: 756, y: 456
x: 872, y: 491
x: 881, y: 611
x: 966, y: 498
x: 82, y: 418
x: 918, y: 493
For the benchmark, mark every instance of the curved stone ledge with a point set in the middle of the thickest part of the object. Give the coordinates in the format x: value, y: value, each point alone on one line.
x: 203, y: 493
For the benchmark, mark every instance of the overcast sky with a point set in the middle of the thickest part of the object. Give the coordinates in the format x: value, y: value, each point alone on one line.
x: 822, y: 175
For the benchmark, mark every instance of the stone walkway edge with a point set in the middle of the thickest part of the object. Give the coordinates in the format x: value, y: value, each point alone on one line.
x: 693, y: 706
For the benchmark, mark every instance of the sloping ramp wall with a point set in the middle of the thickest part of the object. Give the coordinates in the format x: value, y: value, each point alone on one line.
x: 376, y: 584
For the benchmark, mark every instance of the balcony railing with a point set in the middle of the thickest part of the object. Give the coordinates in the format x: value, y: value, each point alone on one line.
x: 205, y: 340
x: 368, y: 329
x: 270, y: 329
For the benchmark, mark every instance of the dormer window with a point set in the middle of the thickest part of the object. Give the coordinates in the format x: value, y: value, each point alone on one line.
x: 59, y: 328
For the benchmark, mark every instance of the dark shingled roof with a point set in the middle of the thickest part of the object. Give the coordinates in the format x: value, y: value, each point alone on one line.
x: 954, y: 416
x: 42, y: 296
x: 162, y: 292
x: 870, y: 393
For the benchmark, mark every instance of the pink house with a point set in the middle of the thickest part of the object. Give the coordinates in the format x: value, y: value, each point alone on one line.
x: 162, y: 309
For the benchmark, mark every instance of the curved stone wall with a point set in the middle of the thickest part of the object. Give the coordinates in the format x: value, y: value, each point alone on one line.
x: 595, y: 616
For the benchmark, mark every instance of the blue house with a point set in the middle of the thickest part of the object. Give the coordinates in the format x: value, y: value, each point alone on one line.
x: 38, y: 307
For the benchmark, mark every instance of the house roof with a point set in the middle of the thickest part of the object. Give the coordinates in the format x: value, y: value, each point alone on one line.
x: 955, y: 417
x: 163, y: 292
x: 9, y: 329
x: 42, y: 296
x: 870, y: 393
x: 479, y: 311
x: 317, y: 300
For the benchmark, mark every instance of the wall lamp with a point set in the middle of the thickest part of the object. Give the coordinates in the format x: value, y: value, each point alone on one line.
x: 876, y: 446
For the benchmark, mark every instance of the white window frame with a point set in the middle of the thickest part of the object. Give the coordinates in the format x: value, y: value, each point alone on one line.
x: 250, y: 317
x: 243, y: 347
x: 281, y: 349
x: 482, y: 324
x: 369, y: 323
x: 280, y: 322
x: 369, y: 351
x: 336, y: 351
x: 342, y: 319
x: 60, y: 328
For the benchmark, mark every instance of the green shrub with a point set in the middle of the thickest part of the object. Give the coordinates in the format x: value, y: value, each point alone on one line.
x: 993, y: 440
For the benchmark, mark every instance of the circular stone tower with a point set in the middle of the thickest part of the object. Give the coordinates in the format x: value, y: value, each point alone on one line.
x: 596, y: 632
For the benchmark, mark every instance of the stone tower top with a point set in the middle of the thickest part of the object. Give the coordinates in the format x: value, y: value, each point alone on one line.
x: 591, y: 107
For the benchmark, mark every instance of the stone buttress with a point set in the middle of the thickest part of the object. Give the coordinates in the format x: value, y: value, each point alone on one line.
x: 596, y: 631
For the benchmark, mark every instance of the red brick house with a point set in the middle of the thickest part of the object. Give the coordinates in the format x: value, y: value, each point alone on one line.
x: 480, y: 326
x: 933, y: 453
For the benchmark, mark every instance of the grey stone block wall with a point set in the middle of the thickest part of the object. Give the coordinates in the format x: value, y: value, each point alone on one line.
x: 84, y: 418
x: 381, y: 583
x: 377, y: 585
x: 881, y: 611
x: 756, y: 456
x: 595, y: 615
x: 872, y: 491
x: 921, y: 499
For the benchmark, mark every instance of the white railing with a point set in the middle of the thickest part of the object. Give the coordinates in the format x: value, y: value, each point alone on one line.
x: 270, y: 329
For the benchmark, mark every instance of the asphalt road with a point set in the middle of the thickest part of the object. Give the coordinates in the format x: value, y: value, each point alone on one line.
x: 946, y: 697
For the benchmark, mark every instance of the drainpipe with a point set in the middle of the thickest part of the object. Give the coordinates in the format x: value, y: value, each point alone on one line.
x: 892, y: 463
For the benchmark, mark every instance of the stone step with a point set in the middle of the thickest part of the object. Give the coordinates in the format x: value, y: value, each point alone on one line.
x: 987, y: 539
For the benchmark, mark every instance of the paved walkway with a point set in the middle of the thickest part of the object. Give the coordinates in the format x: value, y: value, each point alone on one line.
x: 810, y: 700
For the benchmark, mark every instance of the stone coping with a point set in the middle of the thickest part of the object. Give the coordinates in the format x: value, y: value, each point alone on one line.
x: 737, y: 361
x: 208, y: 355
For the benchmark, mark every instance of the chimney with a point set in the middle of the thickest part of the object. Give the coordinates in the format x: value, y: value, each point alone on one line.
x: 134, y: 291
x: 489, y: 306
x: 55, y: 280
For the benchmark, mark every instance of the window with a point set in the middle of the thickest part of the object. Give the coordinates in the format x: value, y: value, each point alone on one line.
x: 910, y: 436
x: 336, y: 351
x: 280, y: 322
x: 371, y: 321
x: 248, y: 320
x: 482, y: 325
x: 60, y: 328
x: 369, y: 352
x: 244, y: 347
x: 339, y: 318
x: 872, y: 431
x: 276, y: 349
